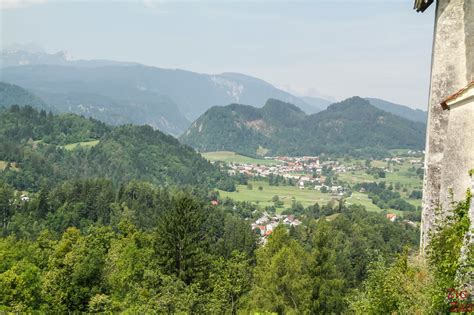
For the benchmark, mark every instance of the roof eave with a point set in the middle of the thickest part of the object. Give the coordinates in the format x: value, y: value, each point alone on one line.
x: 463, y: 95
x: 422, y: 5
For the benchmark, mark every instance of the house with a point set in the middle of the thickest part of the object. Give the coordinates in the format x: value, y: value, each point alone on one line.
x: 301, y: 185
x: 267, y: 233
x: 295, y: 222
x: 260, y: 229
x: 262, y: 220
x: 214, y: 202
x: 392, y: 217
x: 336, y: 189
x: 24, y: 198
x: 271, y: 226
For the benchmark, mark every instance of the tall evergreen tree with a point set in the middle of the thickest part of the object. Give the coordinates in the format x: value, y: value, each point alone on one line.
x: 181, y: 238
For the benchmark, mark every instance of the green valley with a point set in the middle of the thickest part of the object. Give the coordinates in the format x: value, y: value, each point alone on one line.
x: 282, y: 182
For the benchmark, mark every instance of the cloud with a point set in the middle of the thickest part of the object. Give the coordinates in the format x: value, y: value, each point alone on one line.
x: 18, y: 4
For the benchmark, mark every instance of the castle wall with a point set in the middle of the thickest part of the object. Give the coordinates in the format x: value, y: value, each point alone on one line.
x: 458, y: 157
x: 452, y: 69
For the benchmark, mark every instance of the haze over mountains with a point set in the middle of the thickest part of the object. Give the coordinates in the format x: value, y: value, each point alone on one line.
x: 11, y: 94
x: 353, y: 126
x: 119, y: 93
x: 126, y: 92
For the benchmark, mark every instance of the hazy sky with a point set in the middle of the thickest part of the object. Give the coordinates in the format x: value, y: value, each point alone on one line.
x: 377, y: 48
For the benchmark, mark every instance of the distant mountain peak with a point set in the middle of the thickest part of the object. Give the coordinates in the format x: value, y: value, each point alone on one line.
x: 352, y: 102
x: 233, y: 89
x: 279, y: 106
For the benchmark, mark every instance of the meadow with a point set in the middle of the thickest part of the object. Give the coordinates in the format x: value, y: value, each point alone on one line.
x: 229, y: 157
x: 400, y: 174
x: 84, y: 144
x: 286, y: 194
x: 307, y: 197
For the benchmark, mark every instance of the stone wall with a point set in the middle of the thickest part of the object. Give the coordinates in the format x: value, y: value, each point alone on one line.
x: 447, y: 165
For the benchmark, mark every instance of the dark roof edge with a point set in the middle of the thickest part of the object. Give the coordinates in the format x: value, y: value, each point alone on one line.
x: 422, y: 5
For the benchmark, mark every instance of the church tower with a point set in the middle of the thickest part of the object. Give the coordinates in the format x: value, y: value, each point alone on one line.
x: 450, y: 128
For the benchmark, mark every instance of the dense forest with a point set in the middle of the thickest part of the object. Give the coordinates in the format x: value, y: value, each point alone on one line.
x: 85, y: 245
x: 353, y: 127
x: 40, y: 148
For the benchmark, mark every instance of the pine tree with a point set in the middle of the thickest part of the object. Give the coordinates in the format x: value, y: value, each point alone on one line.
x: 182, y: 240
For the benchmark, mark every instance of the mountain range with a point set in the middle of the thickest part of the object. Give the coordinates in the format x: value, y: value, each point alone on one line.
x: 118, y: 93
x: 126, y: 92
x: 352, y: 126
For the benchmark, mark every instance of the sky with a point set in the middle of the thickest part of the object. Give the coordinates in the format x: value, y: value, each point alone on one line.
x: 334, y: 49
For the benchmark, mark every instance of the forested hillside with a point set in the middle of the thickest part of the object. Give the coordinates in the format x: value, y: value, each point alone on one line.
x: 38, y: 149
x: 352, y: 127
x: 11, y: 94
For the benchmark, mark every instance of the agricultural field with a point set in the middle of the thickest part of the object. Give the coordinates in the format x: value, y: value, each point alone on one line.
x: 84, y: 144
x: 229, y: 157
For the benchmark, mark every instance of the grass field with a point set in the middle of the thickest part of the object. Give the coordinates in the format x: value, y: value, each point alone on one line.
x: 398, y: 152
x: 363, y: 199
x: 84, y: 144
x: 285, y: 193
x: 402, y: 176
x: 228, y: 157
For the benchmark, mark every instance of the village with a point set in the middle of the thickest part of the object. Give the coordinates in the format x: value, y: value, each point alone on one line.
x: 310, y: 179
x: 310, y: 172
x: 265, y: 225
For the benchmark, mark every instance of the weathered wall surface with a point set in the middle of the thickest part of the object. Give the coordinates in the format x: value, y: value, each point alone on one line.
x: 452, y: 69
